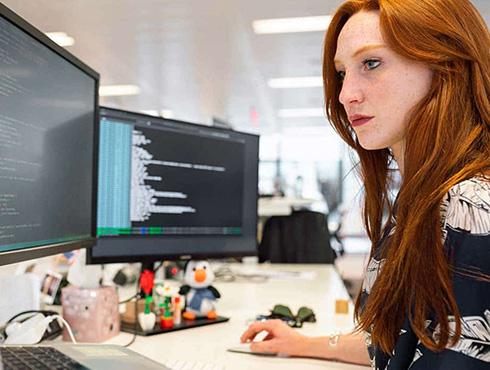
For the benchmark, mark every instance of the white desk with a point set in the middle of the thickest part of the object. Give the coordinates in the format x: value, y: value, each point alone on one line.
x: 242, y: 301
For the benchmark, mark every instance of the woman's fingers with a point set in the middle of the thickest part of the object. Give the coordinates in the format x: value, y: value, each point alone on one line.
x: 280, y: 338
x: 267, y: 346
x: 258, y: 327
x: 269, y: 337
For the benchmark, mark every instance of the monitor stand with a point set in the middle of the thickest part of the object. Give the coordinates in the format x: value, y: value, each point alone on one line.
x: 135, y: 327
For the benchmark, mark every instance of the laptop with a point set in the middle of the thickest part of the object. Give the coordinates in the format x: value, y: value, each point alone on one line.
x: 75, y: 356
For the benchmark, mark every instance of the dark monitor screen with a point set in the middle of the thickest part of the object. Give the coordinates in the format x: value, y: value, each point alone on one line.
x: 171, y: 190
x: 48, y: 143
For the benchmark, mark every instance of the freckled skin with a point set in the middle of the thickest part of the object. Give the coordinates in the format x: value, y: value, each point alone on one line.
x: 388, y: 92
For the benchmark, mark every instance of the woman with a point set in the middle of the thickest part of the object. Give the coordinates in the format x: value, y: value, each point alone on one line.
x: 408, y: 82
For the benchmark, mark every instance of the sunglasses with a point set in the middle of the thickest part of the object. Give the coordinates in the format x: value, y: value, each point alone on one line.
x: 284, y: 313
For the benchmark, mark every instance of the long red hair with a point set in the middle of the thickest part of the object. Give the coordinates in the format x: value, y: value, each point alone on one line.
x: 447, y: 141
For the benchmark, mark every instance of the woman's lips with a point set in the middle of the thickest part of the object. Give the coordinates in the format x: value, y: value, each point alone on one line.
x: 361, y: 121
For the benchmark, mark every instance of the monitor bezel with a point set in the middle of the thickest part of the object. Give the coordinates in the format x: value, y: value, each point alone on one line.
x: 91, y: 259
x: 19, y: 255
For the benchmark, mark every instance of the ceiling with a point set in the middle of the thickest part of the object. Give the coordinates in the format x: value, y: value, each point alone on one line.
x: 197, y: 58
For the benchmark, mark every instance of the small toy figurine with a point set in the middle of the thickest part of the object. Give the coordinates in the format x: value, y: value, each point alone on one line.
x: 147, y: 319
x: 166, y: 319
x: 199, y: 293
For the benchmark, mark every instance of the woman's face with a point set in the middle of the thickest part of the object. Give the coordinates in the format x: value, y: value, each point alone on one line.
x: 379, y: 87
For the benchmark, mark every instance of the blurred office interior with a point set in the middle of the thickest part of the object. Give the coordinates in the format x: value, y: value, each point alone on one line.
x: 212, y: 61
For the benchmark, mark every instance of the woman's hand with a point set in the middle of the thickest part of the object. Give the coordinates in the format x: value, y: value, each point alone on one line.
x: 280, y: 339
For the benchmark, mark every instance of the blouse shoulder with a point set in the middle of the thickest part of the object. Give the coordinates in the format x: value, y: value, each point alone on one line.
x: 466, y: 207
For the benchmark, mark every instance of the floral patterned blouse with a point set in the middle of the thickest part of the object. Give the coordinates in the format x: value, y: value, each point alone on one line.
x: 465, y: 216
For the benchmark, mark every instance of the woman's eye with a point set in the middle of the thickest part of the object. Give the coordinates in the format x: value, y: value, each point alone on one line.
x: 341, y: 75
x: 371, y: 63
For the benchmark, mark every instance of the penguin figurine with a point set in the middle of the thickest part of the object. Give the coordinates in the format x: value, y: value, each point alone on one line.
x: 199, y: 293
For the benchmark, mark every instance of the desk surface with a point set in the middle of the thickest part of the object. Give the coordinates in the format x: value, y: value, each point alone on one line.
x: 242, y: 300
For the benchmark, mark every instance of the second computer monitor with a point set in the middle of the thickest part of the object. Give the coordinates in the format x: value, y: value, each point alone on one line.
x: 172, y: 190
x: 48, y: 145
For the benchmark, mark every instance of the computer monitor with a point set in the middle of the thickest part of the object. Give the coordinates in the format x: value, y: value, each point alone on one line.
x: 48, y: 145
x: 172, y: 190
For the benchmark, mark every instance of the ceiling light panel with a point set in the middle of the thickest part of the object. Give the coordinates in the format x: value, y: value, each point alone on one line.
x: 61, y: 38
x: 290, y: 25
x: 119, y: 90
x: 295, y: 82
x: 151, y: 112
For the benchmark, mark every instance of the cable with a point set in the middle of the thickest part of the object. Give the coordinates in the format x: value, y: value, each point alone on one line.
x: 44, y: 312
x: 137, y: 296
x: 158, y: 267
x: 129, y: 299
x: 226, y: 274
x: 65, y: 323
x: 135, y: 313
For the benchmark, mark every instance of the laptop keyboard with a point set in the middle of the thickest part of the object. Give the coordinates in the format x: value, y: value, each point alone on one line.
x: 39, y: 358
x: 191, y: 365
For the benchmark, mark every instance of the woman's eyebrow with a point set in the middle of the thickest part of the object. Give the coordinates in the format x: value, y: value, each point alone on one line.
x: 361, y: 50
x: 367, y: 47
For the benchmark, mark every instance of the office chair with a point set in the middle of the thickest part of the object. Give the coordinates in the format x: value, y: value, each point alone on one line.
x: 302, y: 237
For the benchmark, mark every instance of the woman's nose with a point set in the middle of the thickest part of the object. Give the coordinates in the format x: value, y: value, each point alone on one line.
x: 351, y: 92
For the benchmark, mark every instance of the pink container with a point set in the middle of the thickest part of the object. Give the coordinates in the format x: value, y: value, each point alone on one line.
x: 93, y: 314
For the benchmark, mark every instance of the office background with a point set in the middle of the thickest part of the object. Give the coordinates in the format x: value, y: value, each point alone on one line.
x: 203, y: 60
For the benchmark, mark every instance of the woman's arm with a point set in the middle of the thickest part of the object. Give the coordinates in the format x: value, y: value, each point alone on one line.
x: 285, y: 340
x: 350, y: 348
